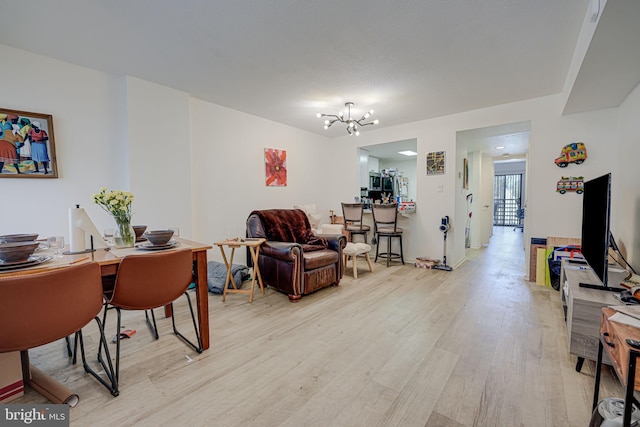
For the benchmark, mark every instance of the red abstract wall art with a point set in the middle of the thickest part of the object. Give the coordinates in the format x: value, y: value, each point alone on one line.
x: 275, y: 167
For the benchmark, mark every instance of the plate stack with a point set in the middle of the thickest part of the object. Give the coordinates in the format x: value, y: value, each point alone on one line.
x: 17, y: 250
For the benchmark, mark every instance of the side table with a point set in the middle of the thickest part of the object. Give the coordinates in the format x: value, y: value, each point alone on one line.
x: 254, y: 250
x: 620, y: 342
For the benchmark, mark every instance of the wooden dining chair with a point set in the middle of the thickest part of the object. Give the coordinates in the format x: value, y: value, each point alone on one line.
x: 146, y: 282
x: 385, y: 221
x: 40, y: 308
x: 352, y: 213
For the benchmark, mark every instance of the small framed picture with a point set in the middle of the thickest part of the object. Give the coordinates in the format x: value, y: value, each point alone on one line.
x: 27, y: 147
x: 275, y: 161
x: 465, y: 175
x: 435, y: 163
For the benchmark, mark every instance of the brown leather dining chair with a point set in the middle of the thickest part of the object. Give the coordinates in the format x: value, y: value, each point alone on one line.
x: 352, y: 213
x: 40, y: 308
x: 149, y: 281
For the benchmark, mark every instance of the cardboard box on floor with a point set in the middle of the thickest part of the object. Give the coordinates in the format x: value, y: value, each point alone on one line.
x: 11, y: 384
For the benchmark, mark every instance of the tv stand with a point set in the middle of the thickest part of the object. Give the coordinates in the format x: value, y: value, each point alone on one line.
x: 601, y: 287
x: 583, y: 310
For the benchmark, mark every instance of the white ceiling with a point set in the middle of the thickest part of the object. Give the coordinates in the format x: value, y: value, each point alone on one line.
x: 286, y: 60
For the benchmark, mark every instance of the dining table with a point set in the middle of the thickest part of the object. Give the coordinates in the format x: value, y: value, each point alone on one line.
x: 109, y: 259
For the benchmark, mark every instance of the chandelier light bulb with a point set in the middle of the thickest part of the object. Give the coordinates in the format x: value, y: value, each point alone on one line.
x: 326, y: 126
x: 319, y: 115
x: 350, y: 124
x: 371, y: 112
x: 376, y: 121
x: 326, y: 122
x: 341, y: 114
x: 366, y: 116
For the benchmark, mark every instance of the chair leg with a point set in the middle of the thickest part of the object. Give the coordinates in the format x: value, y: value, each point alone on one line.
x: 377, y: 247
x: 68, y: 341
x: 109, y: 372
x: 388, y: 250
x: 198, y: 347
x: 115, y: 373
x: 368, y: 258
x: 152, y: 323
x: 401, y: 252
x: 354, y: 265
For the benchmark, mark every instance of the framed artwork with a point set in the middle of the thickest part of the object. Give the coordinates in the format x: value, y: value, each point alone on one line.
x: 435, y: 163
x: 27, y: 148
x: 275, y: 167
x: 465, y: 175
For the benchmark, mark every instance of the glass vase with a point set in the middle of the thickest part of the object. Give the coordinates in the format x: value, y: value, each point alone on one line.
x: 124, y: 236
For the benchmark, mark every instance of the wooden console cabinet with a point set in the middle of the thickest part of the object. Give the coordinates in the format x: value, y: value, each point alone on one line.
x: 583, y: 311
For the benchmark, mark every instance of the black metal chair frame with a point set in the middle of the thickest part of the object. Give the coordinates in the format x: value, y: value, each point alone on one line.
x: 151, y: 322
x: 153, y: 328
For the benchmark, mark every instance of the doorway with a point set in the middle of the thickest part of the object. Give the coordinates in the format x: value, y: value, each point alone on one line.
x: 489, y: 152
x: 507, y: 200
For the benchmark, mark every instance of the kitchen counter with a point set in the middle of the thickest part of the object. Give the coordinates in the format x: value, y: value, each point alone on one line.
x: 403, y: 208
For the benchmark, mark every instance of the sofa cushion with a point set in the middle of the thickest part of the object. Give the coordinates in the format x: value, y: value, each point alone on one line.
x: 320, y: 258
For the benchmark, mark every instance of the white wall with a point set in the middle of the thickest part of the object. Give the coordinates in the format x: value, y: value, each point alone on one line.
x: 625, y: 215
x: 189, y: 163
x: 483, y: 206
x: 548, y: 213
x: 406, y: 168
x: 87, y: 108
x: 228, y: 171
x: 107, y: 135
x: 159, y: 153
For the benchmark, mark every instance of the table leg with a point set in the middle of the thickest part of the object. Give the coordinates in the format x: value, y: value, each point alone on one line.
x: 596, y: 390
x: 202, y: 296
x: 257, y: 269
x: 256, y: 272
x: 631, y: 377
x: 229, y: 277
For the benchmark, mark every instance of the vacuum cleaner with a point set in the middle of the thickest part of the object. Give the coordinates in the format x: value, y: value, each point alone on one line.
x: 444, y: 227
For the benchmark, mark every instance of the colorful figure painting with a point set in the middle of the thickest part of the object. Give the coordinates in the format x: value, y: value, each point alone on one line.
x: 275, y: 167
x: 27, y: 148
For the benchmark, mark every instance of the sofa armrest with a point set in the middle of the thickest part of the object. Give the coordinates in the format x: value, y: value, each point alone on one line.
x: 281, y: 250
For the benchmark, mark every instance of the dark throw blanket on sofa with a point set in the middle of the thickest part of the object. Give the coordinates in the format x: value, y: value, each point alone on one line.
x: 290, y: 225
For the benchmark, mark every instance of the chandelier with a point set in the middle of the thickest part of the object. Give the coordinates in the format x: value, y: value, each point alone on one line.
x: 352, y: 124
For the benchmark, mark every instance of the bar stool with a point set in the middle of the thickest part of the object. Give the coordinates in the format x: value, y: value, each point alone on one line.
x: 385, y: 221
x: 352, y: 213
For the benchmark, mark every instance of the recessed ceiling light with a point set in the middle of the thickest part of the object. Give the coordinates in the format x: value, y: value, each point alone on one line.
x: 500, y: 148
x: 408, y: 153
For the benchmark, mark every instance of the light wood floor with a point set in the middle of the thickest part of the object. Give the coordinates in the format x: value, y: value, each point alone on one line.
x: 401, y: 346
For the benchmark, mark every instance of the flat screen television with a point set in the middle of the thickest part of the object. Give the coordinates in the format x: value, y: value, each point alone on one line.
x: 596, y: 216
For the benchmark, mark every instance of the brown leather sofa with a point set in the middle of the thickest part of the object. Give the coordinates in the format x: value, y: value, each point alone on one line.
x: 293, y: 260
